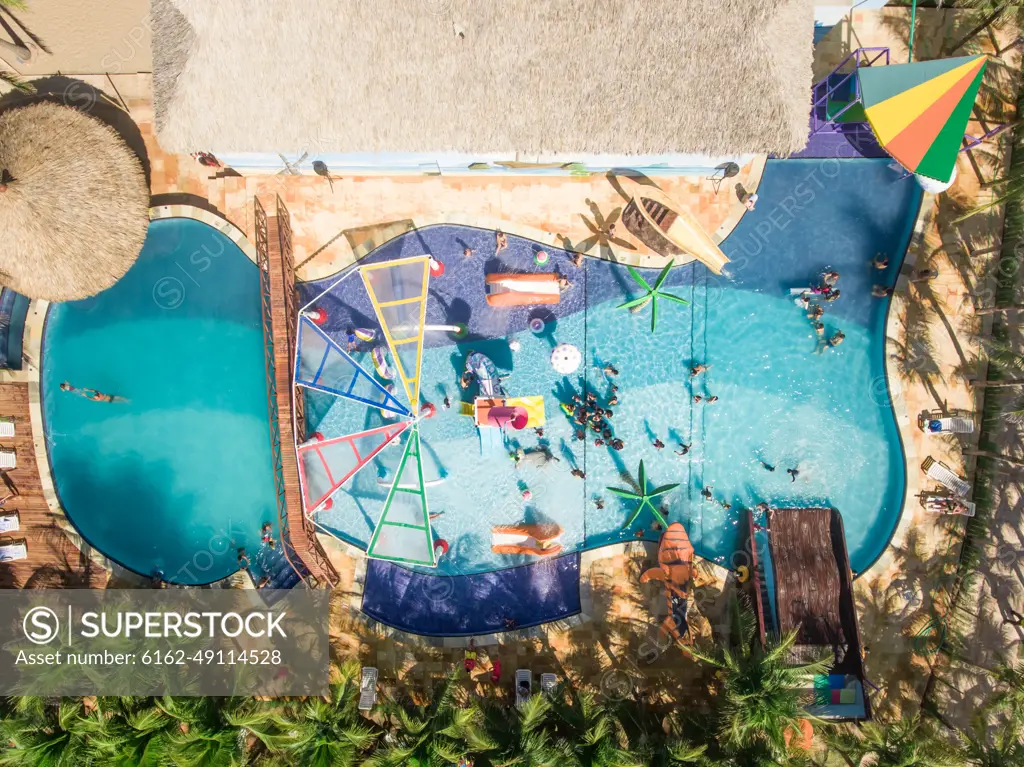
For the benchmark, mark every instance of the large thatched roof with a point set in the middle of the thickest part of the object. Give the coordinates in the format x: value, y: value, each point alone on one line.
x: 74, y: 213
x: 572, y: 76
x: 808, y: 581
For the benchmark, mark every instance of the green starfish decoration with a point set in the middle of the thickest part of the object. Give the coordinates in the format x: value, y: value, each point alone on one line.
x: 652, y: 296
x: 644, y: 497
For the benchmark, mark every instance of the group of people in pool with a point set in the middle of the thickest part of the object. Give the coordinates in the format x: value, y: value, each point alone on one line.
x: 267, y: 537
x: 826, y: 292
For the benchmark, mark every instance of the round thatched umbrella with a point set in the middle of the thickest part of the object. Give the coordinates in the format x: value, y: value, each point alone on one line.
x: 73, y: 203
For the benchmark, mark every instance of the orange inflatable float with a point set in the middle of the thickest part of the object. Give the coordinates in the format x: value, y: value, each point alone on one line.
x: 522, y: 289
x: 539, y: 540
x: 675, y: 570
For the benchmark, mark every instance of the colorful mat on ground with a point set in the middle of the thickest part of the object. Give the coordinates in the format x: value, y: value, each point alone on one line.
x: 919, y: 112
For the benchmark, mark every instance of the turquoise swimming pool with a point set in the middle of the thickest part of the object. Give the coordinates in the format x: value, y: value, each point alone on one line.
x: 780, y: 404
x: 178, y: 477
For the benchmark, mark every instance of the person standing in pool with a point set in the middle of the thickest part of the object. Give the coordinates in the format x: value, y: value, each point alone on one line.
x: 351, y: 340
x: 467, y: 252
x: 500, y: 242
x: 830, y: 278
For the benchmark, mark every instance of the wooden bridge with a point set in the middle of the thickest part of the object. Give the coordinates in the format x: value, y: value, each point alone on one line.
x: 284, y: 403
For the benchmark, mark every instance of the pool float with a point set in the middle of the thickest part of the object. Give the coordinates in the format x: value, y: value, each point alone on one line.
x: 380, y: 363
x: 317, y: 316
x: 436, y: 267
x: 675, y: 570
x: 522, y: 289
x: 537, y: 325
x: 486, y: 374
x: 390, y: 389
x: 440, y: 547
x: 742, y: 574
x: 538, y: 540
x: 365, y: 334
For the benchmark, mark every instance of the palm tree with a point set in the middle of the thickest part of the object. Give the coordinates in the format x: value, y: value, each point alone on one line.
x: 587, y: 735
x: 906, y: 742
x: 17, y: 48
x: 521, y: 737
x: 137, y: 734
x: 329, y: 733
x: 652, y: 294
x: 49, y: 732
x: 219, y: 732
x: 440, y: 732
x: 601, y: 233
x: 986, y: 13
x: 762, y: 695
x: 644, y: 497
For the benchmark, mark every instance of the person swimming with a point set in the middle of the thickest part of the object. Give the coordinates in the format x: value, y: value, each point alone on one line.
x: 816, y: 312
x: 832, y: 295
x: 767, y: 465
x: 683, y: 449
x: 579, y: 473
x: 793, y: 473
x: 837, y: 339
x: 658, y: 444
x: 697, y: 398
x: 696, y: 370
x: 830, y: 278
x: 706, y: 492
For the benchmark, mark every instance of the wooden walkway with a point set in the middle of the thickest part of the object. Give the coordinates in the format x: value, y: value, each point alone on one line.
x: 301, y: 534
x: 53, y: 560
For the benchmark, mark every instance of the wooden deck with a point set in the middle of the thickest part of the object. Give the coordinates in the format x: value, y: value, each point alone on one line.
x: 301, y: 534
x: 53, y: 560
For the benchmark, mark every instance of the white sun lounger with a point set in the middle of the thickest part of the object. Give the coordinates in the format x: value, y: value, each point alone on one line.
x: 368, y: 688
x: 10, y: 522
x: 942, y: 474
x: 6, y: 426
x: 548, y: 683
x: 949, y: 426
x: 8, y: 459
x: 523, y: 692
x: 12, y: 550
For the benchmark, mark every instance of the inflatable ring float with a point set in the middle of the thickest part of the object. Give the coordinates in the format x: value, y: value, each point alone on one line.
x: 742, y: 573
x: 440, y: 547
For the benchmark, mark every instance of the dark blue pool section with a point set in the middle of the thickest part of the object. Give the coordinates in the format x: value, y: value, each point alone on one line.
x: 466, y: 605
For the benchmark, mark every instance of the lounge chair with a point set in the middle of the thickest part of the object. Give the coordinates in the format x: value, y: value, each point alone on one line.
x: 948, y: 426
x: 548, y: 683
x: 524, y: 686
x: 942, y: 474
x: 8, y: 459
x: 947, y: 505
x: 368, y: 689
x: 12, y: 550
x: 10, y: 521
x: 6, y: 426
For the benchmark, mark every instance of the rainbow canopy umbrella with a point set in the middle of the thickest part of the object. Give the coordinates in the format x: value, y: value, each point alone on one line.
x: 919, y: 112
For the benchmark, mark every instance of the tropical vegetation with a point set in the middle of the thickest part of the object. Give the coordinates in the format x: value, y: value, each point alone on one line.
x: 754, y: 717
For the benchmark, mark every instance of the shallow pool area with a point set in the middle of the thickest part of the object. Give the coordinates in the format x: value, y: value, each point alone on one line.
x: 781, y: 404
x: 175, y: 475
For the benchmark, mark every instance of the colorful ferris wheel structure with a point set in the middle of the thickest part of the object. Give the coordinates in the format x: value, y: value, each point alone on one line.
x: 397, y: 291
